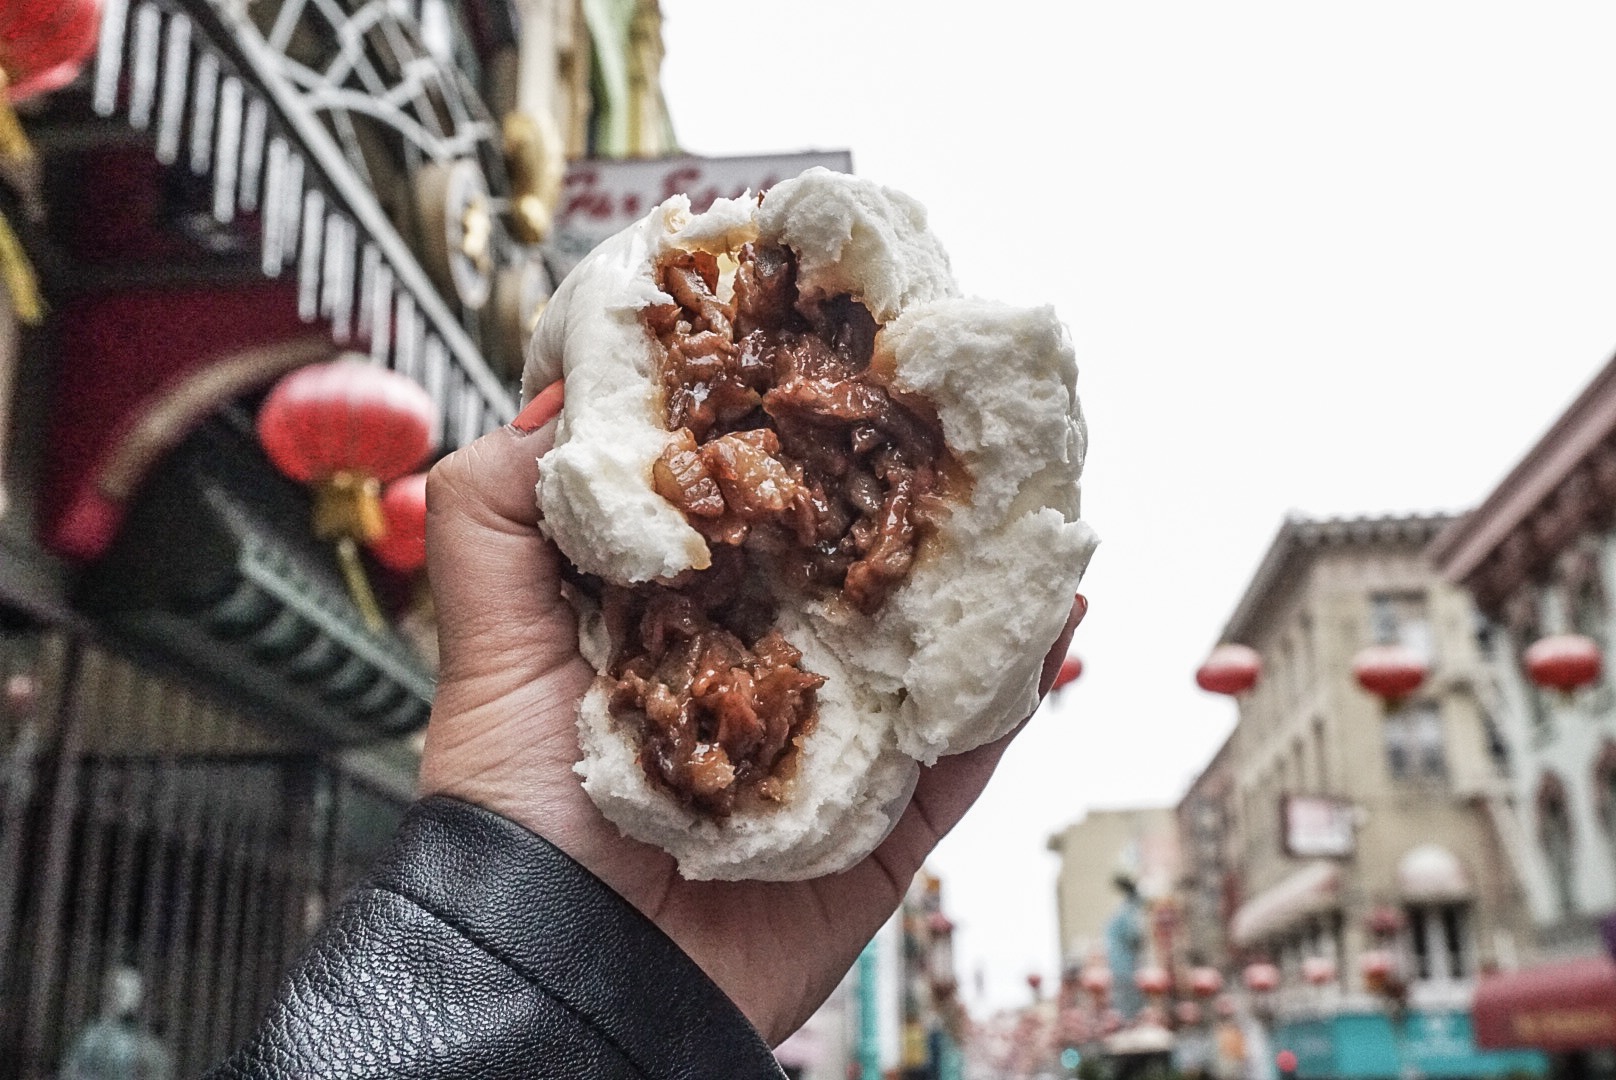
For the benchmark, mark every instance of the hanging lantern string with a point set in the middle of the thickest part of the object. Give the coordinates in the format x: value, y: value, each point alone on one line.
x: 353, y: 574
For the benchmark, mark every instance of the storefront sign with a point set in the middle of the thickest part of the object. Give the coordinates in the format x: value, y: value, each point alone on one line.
x: 1364, y: 1046
x: 1593, y: 1025
x: 599, y: 198
x: 1319, y: 827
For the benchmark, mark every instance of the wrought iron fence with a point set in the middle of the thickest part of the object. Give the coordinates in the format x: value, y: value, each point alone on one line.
x: 147, y: 830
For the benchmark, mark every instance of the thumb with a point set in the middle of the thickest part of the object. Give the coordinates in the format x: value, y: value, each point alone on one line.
x: 495, y: 579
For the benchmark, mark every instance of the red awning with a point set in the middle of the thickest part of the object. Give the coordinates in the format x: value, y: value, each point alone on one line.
x: 1569, y: 1005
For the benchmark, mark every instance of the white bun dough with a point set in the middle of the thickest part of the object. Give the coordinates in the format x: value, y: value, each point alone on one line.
x: 951, y: 660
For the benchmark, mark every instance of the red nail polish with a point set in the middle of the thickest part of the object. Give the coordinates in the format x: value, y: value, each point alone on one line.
x: 545, y: 406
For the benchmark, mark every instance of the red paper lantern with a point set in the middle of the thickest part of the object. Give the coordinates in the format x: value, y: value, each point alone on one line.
x: 1379, y: 969
x: 1096, y: 980
x: 1285, y: 1061
x: 1384, y: 921
x: 1318, y: 970
x: 1261, y: 978
x: 346, y: 427
x: 1205, y: 982
x: 1231, y: 669
x: 44, y: 43
x: 1153, y: 981
x: 1564, y: 662
x: 1152, y: 1016
x: 1070, y: 669
x: 1110, y: 1022
x: 1390, y: 671
x: 403, y: 546
x: 1225, y: 1006
x: 1188, y: 1013
x: 346, y: 417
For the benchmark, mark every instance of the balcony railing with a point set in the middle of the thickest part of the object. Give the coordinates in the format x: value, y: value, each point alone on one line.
x: 307, y: 116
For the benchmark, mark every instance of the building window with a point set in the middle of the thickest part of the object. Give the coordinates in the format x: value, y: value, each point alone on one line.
x: 1554, y: 830
x: 1589, y: 612
x: 1415, y: 744
x: 1401, y: 619
x: 1439, y: 941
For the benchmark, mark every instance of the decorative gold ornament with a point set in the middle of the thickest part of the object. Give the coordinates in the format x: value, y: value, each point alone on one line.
x: 537, y: 163
x: 457, y: 242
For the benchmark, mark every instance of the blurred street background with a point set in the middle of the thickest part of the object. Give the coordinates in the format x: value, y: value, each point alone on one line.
x: 1329, y: 787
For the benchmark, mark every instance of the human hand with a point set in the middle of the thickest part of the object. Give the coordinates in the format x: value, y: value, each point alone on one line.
x: 504, y: 736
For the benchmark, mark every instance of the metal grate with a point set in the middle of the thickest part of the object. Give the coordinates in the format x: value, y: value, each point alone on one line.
x: 147, y: 829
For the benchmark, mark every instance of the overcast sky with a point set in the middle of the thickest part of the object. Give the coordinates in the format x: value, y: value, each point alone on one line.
x: 1331, y: 259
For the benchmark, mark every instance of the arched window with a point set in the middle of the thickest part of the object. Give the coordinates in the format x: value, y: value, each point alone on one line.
x: 1554, y: 830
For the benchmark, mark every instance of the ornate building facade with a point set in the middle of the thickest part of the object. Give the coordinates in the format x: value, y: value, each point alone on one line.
x: 1355, y: 829
x: 203, y: 737
x: 1539, y: 557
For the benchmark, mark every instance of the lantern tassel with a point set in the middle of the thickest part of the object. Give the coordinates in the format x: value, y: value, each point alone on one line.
x: 349, y: 503
x: 15, y: 270
x: 18, y: 275
x: 353, y: 572
x: 14, y: 144
x: 348, y: 509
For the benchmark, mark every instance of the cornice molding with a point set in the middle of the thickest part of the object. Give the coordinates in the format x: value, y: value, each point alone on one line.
x: 1565, y: 483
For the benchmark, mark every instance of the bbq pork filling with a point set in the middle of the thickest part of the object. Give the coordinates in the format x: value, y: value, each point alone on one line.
x: 809, y: 479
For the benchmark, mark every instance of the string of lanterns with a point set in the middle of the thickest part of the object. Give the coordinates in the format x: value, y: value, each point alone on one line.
x: 1562, y: 662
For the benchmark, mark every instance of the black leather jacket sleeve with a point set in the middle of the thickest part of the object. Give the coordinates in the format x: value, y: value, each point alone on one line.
x: 476, y: 949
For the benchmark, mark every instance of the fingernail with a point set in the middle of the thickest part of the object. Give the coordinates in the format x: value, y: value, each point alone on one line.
x: 545, y: 407
x: 1082, y: 606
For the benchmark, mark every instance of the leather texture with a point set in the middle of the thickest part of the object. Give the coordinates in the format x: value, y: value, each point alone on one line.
x: 477, y: 949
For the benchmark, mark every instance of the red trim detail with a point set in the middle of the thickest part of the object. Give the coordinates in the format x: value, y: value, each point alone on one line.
x: 122, y: 357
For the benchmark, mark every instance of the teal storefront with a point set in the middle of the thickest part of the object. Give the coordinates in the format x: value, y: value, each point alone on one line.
x: 1368, y: 1046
